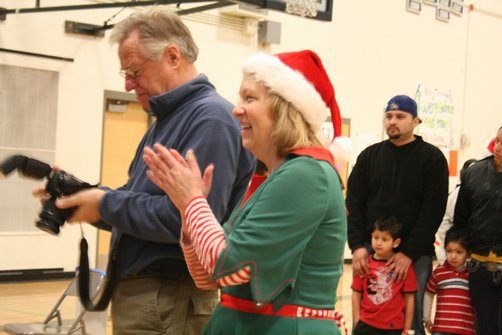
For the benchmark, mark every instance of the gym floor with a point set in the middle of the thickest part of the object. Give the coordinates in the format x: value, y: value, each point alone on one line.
x: 32, y: 301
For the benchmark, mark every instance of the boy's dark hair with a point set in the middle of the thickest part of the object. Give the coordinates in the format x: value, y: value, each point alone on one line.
x: 389, y: 224
x: 458, y: 235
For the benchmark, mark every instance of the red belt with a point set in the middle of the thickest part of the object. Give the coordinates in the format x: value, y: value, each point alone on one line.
x: 292, y: 311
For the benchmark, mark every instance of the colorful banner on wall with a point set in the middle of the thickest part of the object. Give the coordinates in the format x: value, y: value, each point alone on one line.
x: 435, y: 109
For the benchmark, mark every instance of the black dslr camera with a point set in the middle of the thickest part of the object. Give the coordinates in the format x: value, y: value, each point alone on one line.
x: 59, y: 183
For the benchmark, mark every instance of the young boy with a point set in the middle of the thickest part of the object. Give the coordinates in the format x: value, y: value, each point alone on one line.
x: 381, y: 305
x: 454, y: 314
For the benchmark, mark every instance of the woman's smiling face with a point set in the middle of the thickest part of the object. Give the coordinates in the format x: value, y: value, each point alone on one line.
x: 255, y: 116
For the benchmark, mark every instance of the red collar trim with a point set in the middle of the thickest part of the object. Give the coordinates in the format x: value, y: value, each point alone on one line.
x: 318, y: 153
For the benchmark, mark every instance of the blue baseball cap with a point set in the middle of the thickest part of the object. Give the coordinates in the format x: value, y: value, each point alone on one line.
x: 402, y: 103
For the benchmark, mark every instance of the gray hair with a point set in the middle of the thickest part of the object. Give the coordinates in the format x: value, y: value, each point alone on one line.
x: 158, y: 27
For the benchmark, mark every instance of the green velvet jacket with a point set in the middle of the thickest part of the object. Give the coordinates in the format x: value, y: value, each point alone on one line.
x: 291, y: 233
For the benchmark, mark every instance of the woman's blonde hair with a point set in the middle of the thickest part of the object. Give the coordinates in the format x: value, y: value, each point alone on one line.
x: 291, y: 130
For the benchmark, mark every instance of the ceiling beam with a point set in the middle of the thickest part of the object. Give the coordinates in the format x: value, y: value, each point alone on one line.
x: 5, y: 11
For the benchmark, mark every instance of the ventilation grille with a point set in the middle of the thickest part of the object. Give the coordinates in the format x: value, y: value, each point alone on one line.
x: 28, y: 111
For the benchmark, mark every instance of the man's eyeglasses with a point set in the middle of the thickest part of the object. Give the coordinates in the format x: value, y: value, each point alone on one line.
x: 128, y: 73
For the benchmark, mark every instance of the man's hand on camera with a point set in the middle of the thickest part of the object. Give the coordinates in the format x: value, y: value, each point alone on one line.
x: 87, y: 203
x: 40, y: 194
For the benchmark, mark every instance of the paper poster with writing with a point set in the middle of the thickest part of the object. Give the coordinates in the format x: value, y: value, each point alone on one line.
x: 435, y: 109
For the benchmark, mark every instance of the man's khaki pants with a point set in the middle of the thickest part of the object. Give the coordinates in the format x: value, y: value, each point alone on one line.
x: 156, y: 305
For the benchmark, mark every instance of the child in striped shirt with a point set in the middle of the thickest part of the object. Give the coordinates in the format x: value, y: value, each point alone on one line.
x: 454, y: 313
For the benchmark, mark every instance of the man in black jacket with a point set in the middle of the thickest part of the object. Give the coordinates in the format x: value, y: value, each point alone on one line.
x: 479, y: 209
x: 404, y: 177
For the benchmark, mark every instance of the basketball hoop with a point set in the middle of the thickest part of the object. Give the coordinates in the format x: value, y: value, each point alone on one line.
x: 302, y: 7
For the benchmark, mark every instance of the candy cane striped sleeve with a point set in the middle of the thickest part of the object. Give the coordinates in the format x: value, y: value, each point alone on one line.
x: 208, y: 241
x: 199, y: 275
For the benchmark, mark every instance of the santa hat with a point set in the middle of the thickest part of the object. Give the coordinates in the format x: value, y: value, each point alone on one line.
x: 299, y: 78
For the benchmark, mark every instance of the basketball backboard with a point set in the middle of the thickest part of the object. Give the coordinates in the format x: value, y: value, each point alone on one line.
x: 324, y: 7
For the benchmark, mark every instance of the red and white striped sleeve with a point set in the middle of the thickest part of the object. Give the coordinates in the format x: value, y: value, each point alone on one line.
x: 199, y: 275
x: 207, y: 243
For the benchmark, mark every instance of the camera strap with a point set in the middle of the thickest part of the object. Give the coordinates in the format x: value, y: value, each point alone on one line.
x: 106, y: 289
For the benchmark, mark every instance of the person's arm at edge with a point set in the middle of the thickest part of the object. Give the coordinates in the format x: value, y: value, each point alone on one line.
x: 428, y: 302
x: 357, y: 192
x: 356, y: 307
x: 356, y: 219
x: 445, y: 225
x: 409, y: 310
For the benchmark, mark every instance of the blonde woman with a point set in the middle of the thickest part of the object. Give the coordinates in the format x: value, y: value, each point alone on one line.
x: 278, y: 258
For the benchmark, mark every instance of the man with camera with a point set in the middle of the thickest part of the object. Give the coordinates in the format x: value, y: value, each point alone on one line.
x: 155, y: 293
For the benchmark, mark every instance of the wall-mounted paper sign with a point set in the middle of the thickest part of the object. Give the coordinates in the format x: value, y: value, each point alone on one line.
x: 435, y: 109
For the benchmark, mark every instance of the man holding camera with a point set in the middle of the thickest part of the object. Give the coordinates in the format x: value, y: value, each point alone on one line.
x: 155, y: 293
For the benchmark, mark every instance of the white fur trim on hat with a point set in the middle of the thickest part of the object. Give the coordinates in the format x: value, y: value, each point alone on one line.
x: 290, y: 84
x: 341, y: 148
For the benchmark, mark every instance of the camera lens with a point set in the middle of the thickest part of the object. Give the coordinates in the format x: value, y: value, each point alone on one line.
x: 51, y: 217
x: 48, y: 226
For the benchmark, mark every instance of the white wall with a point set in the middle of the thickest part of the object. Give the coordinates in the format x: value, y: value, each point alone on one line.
x: 482, y: 114
x: 78, y: 133
x: 372, y: 51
